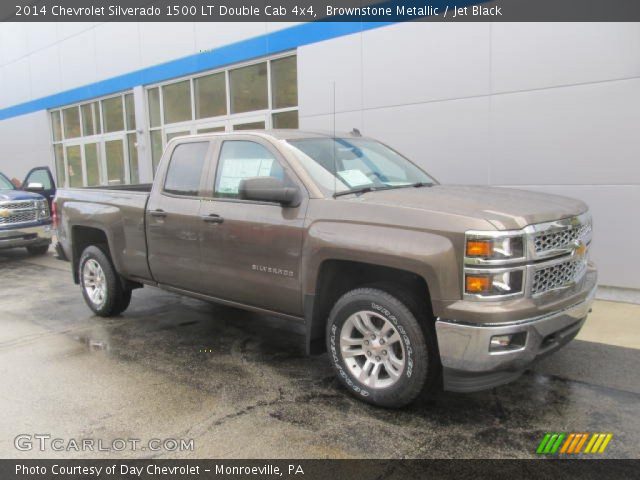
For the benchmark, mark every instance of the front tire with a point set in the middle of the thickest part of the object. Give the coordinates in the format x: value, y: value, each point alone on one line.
x: 101, y: 286
x: 379, y: 348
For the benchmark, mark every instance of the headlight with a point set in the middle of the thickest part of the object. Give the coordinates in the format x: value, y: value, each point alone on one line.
x: 43, y: 209
x: 487, y: 283
x: 494, y: 248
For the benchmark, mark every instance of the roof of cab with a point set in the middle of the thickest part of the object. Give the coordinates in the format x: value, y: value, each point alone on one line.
x: 281, y: 134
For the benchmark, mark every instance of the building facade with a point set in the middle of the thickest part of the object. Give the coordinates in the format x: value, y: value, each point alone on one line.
x: 549, y: 107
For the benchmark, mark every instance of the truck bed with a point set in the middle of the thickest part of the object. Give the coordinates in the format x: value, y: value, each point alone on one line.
x: 118, y: 212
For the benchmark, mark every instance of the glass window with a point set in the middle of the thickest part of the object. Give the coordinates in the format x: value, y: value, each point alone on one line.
x: 74, y: 166
x: 90, y: 118
x: 357, y: 163
x: 71, y: 117
x: 114, y: 150
x: 177, y: 134
x: 56, y: 126
x: 284, y: 83
x: 249, y: 126
x: 211, y: 129
x: 210, y: 95
x: 249, y: 89
x: 130, y: 111
x: 5, y: 183
x: 113, y: 114
x: 156, y: 148
x: 176, y: 100
x: 185, y: 169
x: 285, y: 119
x: 92, y: 162
x: 40, y: 176
x: 58, y: 153
x: 240, y: 159
x: 153, y: 97
x: 133, y: 158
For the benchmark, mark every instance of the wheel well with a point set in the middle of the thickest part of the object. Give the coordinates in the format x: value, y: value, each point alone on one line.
x: 337, y: 277
x: 81, y: 238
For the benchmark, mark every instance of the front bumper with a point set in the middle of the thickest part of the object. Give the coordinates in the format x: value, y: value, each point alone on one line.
x: 26, y: 236
x: 469, y: 365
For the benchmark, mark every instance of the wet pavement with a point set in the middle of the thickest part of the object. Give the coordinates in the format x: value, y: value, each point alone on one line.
x: 239, y: 385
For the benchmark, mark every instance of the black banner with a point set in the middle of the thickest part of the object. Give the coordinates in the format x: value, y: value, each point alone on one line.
x: 316, y: 10
x: 317, y: 469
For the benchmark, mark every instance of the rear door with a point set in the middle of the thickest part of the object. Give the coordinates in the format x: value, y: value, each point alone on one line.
x: 40, y: 180
x: 172, y: 217
x: 251, y: 250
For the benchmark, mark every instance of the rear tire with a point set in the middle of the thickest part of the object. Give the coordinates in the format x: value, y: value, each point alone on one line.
x: 38, y: 249
x: 381, y: 352
x: 101, y: 285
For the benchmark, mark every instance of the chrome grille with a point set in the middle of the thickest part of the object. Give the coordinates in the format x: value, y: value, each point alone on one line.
x: 559, y: 239
x: 557, y: 276
x: 19, y: 217
x: 17, y: 205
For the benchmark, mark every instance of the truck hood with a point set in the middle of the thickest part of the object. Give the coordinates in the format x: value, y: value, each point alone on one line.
x: 18, y: 195
x: 505, y: 208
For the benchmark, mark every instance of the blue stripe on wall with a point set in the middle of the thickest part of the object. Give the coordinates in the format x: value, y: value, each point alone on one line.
x: 268, y: 44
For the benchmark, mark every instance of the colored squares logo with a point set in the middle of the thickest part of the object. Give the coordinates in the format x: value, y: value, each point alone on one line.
x: 573, y: 443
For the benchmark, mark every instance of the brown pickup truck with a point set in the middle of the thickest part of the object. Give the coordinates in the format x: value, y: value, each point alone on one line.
x: 408, y: 284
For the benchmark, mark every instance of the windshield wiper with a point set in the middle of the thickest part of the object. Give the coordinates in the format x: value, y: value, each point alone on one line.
x: 422, y: 184
x: 360, y: 191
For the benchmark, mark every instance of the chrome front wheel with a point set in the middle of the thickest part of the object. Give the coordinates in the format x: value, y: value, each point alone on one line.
x: 372, y: 349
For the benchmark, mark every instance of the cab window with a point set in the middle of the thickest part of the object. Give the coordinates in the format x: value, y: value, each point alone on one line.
x: 185, y: 169
x: 240, y: 159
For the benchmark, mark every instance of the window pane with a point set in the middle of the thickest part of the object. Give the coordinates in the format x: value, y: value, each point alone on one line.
x: 133, y: 158
x: 58, y: 153
x: 285, y: 119
x: 113, y: 114
x: 115, y: 162
x: 130, y: 111
x: 211, y: 96
x: 153, y: 96
x: 284, y: 83
x: 92, y: 161
x: 211, y: 129
x: 90, y: 118
x: 185, y: 169
x: 176, y: 100
x: 56, y: 126
x: 74, y: 166
x: 177, y: 134
x: 71, y: 117
x: 243, y: 159
x: 156, y: 148
x: 249, y: 88
x: 39, y: 176
x: 249, y: 126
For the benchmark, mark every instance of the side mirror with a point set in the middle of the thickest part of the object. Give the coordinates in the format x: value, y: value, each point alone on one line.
x: 35, y: 187
x: 268, y: 189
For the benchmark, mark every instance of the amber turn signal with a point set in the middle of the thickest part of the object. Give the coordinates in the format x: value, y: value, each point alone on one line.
x: 478, y: 283
x: 479, y: 248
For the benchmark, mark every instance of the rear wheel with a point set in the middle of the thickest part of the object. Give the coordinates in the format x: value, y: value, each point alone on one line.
x: 379, y: 349
x: 101, y: 286
x: 38, y: 250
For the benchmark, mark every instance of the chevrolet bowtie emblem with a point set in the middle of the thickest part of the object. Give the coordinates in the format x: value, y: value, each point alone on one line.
x: 4, y: 213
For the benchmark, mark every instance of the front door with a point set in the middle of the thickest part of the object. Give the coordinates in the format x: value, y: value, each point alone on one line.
x: 40, y: 180
x: 251, y: 250
x: 172, y: 216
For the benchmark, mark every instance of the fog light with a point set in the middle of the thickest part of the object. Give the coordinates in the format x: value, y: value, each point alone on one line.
x: 501, y: 343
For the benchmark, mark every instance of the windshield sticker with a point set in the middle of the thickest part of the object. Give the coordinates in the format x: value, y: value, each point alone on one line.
x: 354, y: 178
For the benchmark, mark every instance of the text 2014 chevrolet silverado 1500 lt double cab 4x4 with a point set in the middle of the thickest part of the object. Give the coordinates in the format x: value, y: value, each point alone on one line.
x: 408, y: 283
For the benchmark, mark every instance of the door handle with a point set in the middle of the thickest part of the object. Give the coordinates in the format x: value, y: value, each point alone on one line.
x: 212, y: 218
x: 158, y: 213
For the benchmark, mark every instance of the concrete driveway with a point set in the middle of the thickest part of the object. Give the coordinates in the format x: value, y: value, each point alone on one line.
x: 239, y: 385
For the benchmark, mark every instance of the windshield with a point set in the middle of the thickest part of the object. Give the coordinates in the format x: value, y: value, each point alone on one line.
x: 354, y: 164
x: 5, y: 183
